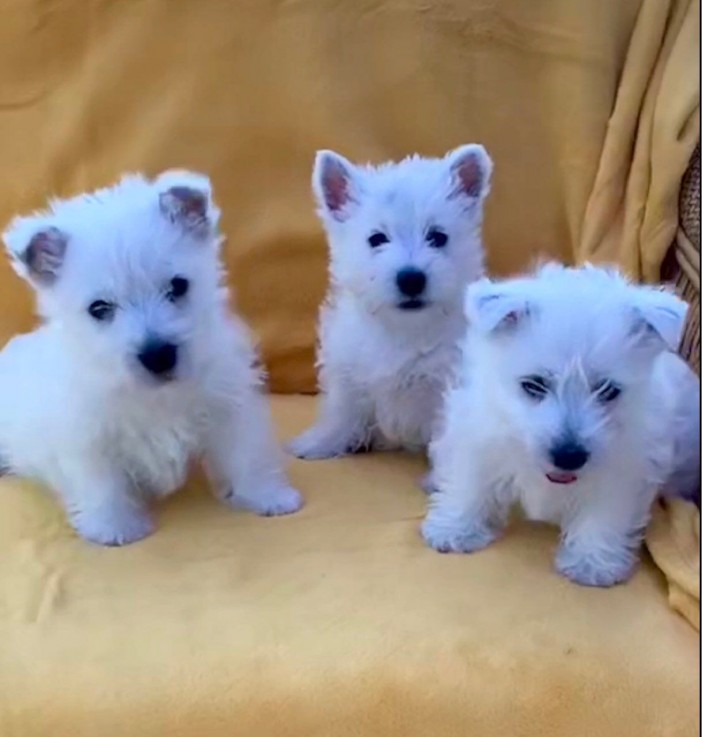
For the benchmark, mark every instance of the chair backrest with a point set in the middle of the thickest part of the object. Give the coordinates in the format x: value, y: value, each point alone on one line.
x: 683, y: 262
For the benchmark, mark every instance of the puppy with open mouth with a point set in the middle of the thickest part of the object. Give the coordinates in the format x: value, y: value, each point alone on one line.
x: 573, y: 403
x: 404, y: 239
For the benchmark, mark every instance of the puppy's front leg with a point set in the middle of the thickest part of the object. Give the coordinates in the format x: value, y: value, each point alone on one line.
x: 600, y: 542
x: 101, y: 504
x: 463, y: 512
x: 243, y: 460
x: 343, y: 425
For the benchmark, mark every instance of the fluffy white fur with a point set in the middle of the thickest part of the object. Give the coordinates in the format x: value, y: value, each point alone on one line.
x: 80, y: 411
x: 384, y: 357
x: 584, y: 331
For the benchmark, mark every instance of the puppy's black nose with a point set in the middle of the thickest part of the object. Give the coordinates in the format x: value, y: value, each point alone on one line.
x: 158, y: 357
x: 411, y: 282
x: 569, y: 456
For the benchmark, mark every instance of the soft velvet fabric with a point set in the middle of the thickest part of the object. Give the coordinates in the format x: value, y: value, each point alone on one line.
x: 247, y: 91
x: 632, y: 214
x: 336, y: 622
x: 674, y: 541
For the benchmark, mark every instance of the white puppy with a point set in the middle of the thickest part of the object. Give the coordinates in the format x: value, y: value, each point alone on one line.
x: 139, y: 366
x: 405, y: 239
x: 573, y: 404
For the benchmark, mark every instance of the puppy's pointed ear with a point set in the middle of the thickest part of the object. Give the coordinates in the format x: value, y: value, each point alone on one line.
x: 36, y: 248
x: 493, y: 307
x: 185, y: 198
x: 659, y: 316
x: 335, y: 184
x: 470, y: 168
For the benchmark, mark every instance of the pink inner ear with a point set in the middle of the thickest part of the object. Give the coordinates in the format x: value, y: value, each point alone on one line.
x: 190, y: 201
x: 45, y: 253
x: 335, y: 185
x: 470, y: 176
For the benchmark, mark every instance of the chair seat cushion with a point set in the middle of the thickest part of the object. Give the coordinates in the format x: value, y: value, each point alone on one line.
x: 335, y: 622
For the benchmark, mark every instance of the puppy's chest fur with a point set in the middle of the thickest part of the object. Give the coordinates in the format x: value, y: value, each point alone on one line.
x: 541, y: 501
x: 404, y: 380
x: 406, y: 400
x: 153, y: 441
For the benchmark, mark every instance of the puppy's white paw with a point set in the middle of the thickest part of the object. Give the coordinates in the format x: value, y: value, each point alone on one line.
x: 113, y: 527
x: 270, y: 501
x: 448, y: 538
x: 315, y: 446
x: 595, y: 567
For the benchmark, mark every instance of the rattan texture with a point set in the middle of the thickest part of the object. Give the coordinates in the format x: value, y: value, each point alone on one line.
x: 682, y: 266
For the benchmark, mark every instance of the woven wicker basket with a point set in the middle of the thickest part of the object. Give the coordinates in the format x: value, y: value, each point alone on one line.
x: 682, y: 265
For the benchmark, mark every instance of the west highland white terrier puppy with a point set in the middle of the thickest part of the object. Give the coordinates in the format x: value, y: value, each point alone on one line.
x: 405, y: 240
x: 139, y: 365
x: 573, y: 403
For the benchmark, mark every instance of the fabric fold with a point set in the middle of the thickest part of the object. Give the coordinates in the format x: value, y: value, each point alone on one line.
x: 632, y: 212
x: 673, y: 539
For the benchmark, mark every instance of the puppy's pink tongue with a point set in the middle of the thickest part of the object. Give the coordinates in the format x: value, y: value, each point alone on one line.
x: 561, y: 477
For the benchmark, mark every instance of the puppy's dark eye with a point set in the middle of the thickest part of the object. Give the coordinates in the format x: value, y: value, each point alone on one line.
x: 607, y: 391
x: 535, y: 386
x: 378, y: 239
x: 437, y: 238
x: 101, y: 310
x: 178, y: 288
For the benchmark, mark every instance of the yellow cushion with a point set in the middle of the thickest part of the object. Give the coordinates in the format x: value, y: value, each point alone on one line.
x: 335, y: 622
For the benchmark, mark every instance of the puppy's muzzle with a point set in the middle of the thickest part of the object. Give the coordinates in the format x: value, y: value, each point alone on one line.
x: 412, y: 284
x: 569, y: 456
x: 159, y: 358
